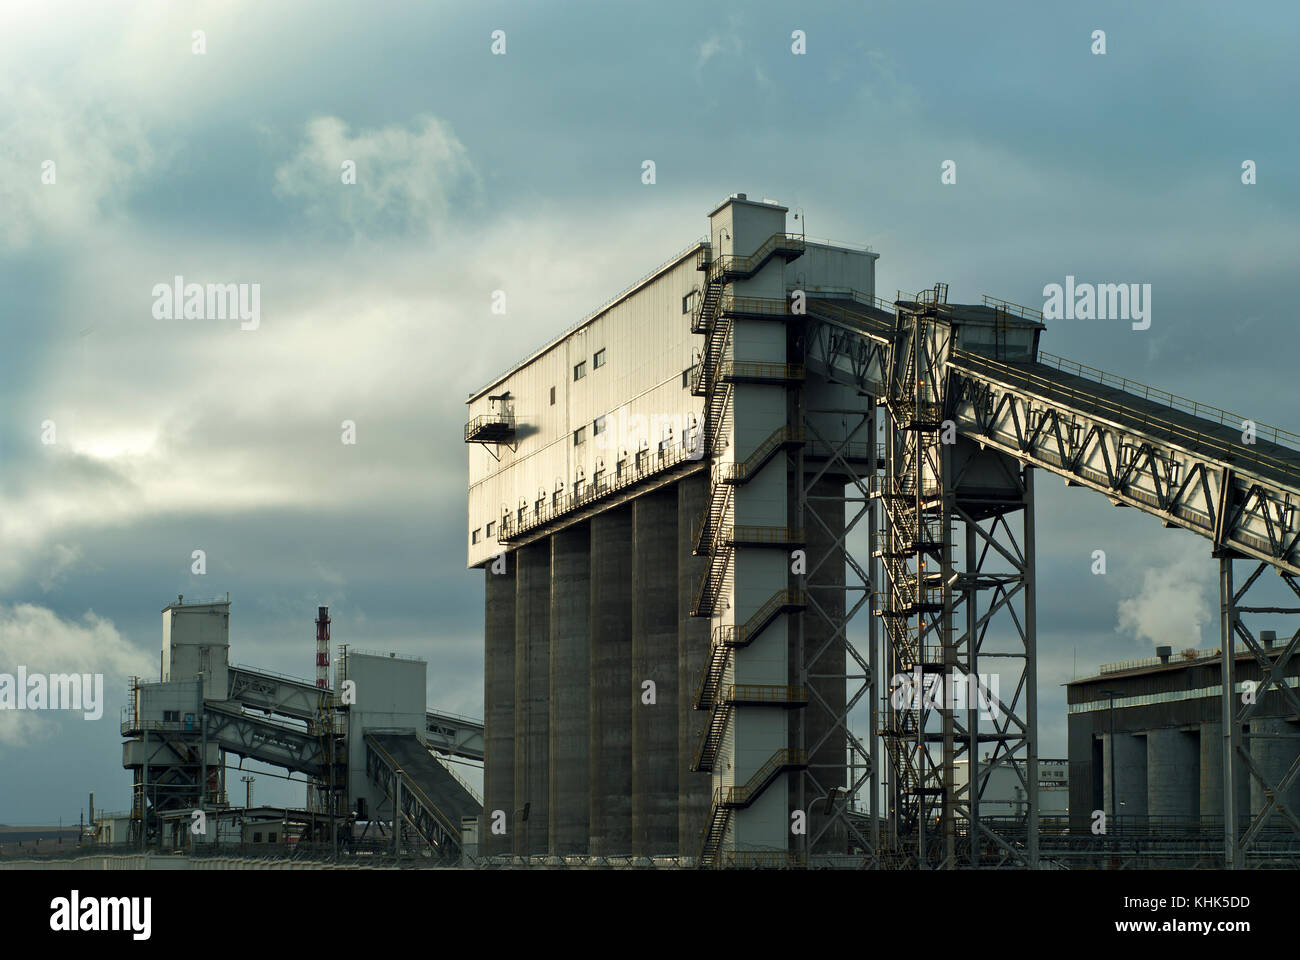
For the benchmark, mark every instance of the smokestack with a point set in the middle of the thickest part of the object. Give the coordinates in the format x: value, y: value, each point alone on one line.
x: 1163, y: 653
x: 322, y: 648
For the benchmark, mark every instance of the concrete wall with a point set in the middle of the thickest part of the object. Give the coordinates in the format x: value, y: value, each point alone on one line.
x: 1130, y: 768
x: 570, y: 731
x: 613, y: 694
x: 1173, y: 781
x: 532, y: 698
x: 499, y: 709
x: 654, y: 660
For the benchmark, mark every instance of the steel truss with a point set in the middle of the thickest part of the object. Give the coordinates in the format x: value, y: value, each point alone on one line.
x: 1238, y: 712
x: 940, y: 615
x: 838, y: 585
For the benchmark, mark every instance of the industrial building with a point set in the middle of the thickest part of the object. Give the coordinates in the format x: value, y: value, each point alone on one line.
x: 374, y: 757
x: 1146, y: 742
x: 722, y: 513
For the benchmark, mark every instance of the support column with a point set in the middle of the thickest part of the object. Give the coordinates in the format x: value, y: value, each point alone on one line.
x: 569, y: 806
x: 1126, y: 763
x: 1228, y: 702
x: 1030, y: 581
x: 498, y: 708
x: 532, y: 711
x: 1172, y: 782
x: 611, y: 691
x: 693, y: 789
x: 823, y: 667
x: 654, y: 658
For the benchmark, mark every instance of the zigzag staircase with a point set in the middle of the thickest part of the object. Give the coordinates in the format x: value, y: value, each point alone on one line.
x: 727, y: 799
x: 708, y: 692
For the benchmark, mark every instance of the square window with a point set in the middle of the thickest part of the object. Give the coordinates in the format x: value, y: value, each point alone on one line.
x: 579, y: 436
x: 598, y: 426
x: 580, y: 370
x: 598, y: 360
x: 552, y: 396
x: 474, y: 537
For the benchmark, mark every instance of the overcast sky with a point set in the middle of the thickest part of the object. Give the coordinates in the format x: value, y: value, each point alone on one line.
x: 522, y: 172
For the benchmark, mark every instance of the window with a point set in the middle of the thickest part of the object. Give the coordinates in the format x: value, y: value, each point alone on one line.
x: 688, y: 301
x: 489, y: 529
x: 579, y: 436
x: 473, y: 537
x: 171, y: 716
x: 257, y: 838
x: 580, y: 370
x: 619, y: 468
x: 686, y: 378
x: 520, y: 514
x: 598, y: 481
x: 598, y: 360
x: 270, y: 837
x: 598, y: 426
x: 540, y: 505
x: 552, y: 396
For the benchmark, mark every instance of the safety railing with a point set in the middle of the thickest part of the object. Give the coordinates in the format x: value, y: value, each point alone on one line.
x: 1173, y: 401
x: 759, y: 370
x: 761, y: 536
x: 757, y: 693
x: 730, y: 264
x: 553, y: 509
x: 1016, y: 309
x: 745, y: 794
x: 1083, y: 401
x: 780, y: 437
x: 490, y: 425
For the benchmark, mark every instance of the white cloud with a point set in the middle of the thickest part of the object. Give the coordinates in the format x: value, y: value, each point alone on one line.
x: 405, y: 179
x: 38, y: 639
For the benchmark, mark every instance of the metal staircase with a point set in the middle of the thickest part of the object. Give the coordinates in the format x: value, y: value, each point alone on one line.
x: 727, y: 799
x: 707, y: 693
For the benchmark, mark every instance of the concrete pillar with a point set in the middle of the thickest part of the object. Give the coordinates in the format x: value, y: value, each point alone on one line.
x: 498, y: 708
x: 532, y: 711
x: 826, y: 693
x: 569, y: 806
x: 694, y: 790
x: 654, y: 658
x: 611, y: 692
x: 1272, y: 757
x: 1173, y: 780
x: 1130, y: 766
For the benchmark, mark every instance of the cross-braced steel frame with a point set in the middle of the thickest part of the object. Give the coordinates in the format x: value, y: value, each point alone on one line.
x: 834, y: 666
x: 941, y: 617
x: 1239, y: 710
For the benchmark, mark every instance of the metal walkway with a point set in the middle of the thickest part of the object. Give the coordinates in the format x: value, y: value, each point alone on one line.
x: 277, y: 694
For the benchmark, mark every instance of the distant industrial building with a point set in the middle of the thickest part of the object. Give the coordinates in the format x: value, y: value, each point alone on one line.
x: 1146, y: 740
x: 371, y: 752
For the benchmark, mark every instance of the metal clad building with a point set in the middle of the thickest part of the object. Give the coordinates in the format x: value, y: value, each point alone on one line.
x: 631, y: 502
